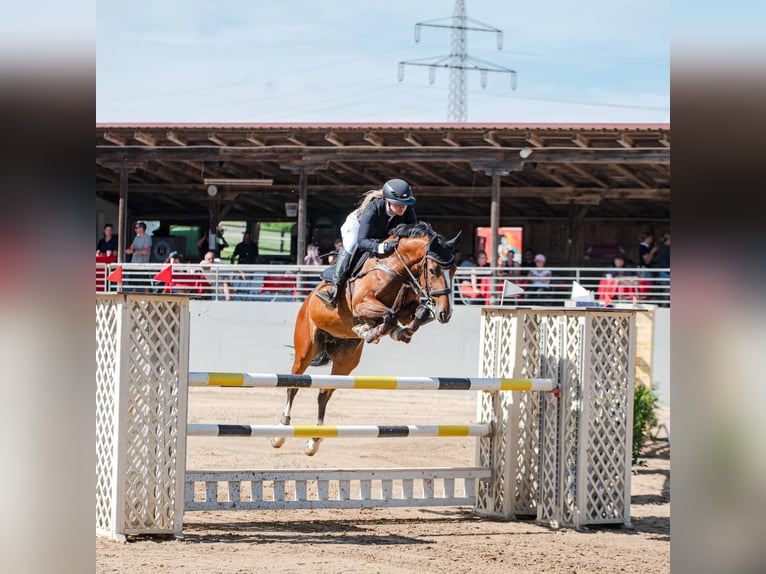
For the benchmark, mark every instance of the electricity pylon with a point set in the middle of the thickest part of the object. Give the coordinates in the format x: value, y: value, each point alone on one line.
x: 458, y: 61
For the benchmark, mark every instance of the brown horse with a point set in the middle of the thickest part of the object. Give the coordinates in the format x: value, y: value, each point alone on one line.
x: 392, y: 296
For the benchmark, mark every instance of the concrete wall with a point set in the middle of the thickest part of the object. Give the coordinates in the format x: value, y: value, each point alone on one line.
x: 243, y: 336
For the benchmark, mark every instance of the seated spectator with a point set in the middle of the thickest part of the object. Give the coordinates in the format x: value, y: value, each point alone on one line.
x: 477, y: 290
x: 540, y: 284
x: 219, y: 282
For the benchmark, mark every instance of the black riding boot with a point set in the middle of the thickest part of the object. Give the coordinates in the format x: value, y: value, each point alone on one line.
x: 339, y: 275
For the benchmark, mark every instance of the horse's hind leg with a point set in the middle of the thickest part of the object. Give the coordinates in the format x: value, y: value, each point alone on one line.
x: 345, y: 355
x: 306, y: 348
x: 278, y: 441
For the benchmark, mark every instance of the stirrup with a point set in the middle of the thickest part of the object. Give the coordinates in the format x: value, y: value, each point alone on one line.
x: 327, y: 298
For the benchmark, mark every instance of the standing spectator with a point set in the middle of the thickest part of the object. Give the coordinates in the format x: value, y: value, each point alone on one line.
x: 213, y: 241
x: 246, y: 251
x: 312, y: 255
x: 646, y: 250
x: 107, y: 245
x: 141, y: 248
x: 662, y: 257
x: 540, y: 285
x: 312, y: 258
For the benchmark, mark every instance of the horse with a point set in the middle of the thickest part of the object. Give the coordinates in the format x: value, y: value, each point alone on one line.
x: 394, y: 295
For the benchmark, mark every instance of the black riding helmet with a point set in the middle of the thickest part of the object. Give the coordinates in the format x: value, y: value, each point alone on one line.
x: 398, y: 192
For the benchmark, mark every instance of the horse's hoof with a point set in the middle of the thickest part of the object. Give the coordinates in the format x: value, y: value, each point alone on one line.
x: 277, y: 441
x: 311, y: 448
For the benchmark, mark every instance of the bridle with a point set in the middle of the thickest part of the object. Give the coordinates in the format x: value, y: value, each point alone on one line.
x: 423, y: 290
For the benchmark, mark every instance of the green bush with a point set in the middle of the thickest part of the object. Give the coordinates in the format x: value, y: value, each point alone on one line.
x: 644, y: 418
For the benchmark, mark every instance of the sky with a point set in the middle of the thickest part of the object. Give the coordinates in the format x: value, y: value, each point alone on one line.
x: 337, y: 61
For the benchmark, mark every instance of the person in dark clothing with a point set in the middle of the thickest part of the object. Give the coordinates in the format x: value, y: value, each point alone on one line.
x: 367, y: 228
x: 107, y: 245
x: 246, y: 252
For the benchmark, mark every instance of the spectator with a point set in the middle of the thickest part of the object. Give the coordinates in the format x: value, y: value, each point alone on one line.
x: 217, y: 281
x: 540, y: 285
x: 246, y: 251
x: 141, y: 248
x: 213, y: 241
x: 333, y: 255
x: 107, y: 245
x: 476, y: 291
x: 469, y: 261
x: 312, y: 255
x: 529, y: 258
x: 646, y: 251
x: 662, y: 257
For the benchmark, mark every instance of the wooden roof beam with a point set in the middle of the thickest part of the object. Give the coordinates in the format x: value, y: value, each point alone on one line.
x: 292, y: 138
x: 588, y: 174
x: 412, y: 139
x: 145, y: 138
x: 173, y: 137
x: 428, y: 173
x: 534, y: 140
x: 489, y: 137
x: 551, y: 174
x: 216, y: 140
x: 374, y: 139
x: 449, y: 140
x: 633, y: 176
x: 334, y: 139
x: 625, y: 141
x: 580, y: 141
x: 113, y: 138
x: 254, y: 140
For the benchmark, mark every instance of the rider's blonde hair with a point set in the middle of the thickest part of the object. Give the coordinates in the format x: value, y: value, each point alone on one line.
x: 368, y: 197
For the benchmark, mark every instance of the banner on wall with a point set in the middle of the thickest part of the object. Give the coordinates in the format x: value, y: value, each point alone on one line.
x: 508, y: 243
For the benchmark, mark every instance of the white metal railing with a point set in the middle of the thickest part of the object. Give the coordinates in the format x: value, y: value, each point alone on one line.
x: 223, y: 282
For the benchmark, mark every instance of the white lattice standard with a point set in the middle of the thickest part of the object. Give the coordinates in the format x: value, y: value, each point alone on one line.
x: 569, y: 457
x: 142, y: 359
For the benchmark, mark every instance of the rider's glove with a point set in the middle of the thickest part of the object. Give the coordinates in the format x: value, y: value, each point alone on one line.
x: 387, y: 247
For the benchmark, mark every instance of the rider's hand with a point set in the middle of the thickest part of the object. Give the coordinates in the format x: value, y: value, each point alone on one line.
x: 388, y: 247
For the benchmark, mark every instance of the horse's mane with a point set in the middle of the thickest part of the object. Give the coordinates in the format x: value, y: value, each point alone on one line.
x: 413, y: 230
x: 438, y: 249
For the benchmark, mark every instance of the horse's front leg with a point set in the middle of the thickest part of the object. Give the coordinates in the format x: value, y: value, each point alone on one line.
x: 372, y: 309
x: 312, y: 445
x: 420, y: 317
x: 278, y: 441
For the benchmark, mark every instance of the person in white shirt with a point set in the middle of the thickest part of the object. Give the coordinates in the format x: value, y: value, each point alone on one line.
x: 540, y: 285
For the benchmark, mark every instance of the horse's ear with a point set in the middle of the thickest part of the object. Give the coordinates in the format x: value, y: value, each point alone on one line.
x: 455, y: 241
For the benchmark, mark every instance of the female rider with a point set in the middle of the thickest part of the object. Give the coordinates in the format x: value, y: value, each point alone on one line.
x: 367, y: 227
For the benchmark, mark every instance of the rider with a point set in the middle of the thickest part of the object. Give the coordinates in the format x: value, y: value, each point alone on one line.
x: 367, y: 227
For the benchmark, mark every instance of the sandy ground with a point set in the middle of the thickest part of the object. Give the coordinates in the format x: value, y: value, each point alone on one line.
x: 438, y: 540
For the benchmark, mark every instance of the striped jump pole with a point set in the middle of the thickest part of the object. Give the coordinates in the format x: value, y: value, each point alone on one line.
x: 328, y: 431
x: 269, y: 380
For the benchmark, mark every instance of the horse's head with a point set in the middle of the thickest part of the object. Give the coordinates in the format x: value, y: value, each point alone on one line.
x: 433, y: 260
x: 438, y: 272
